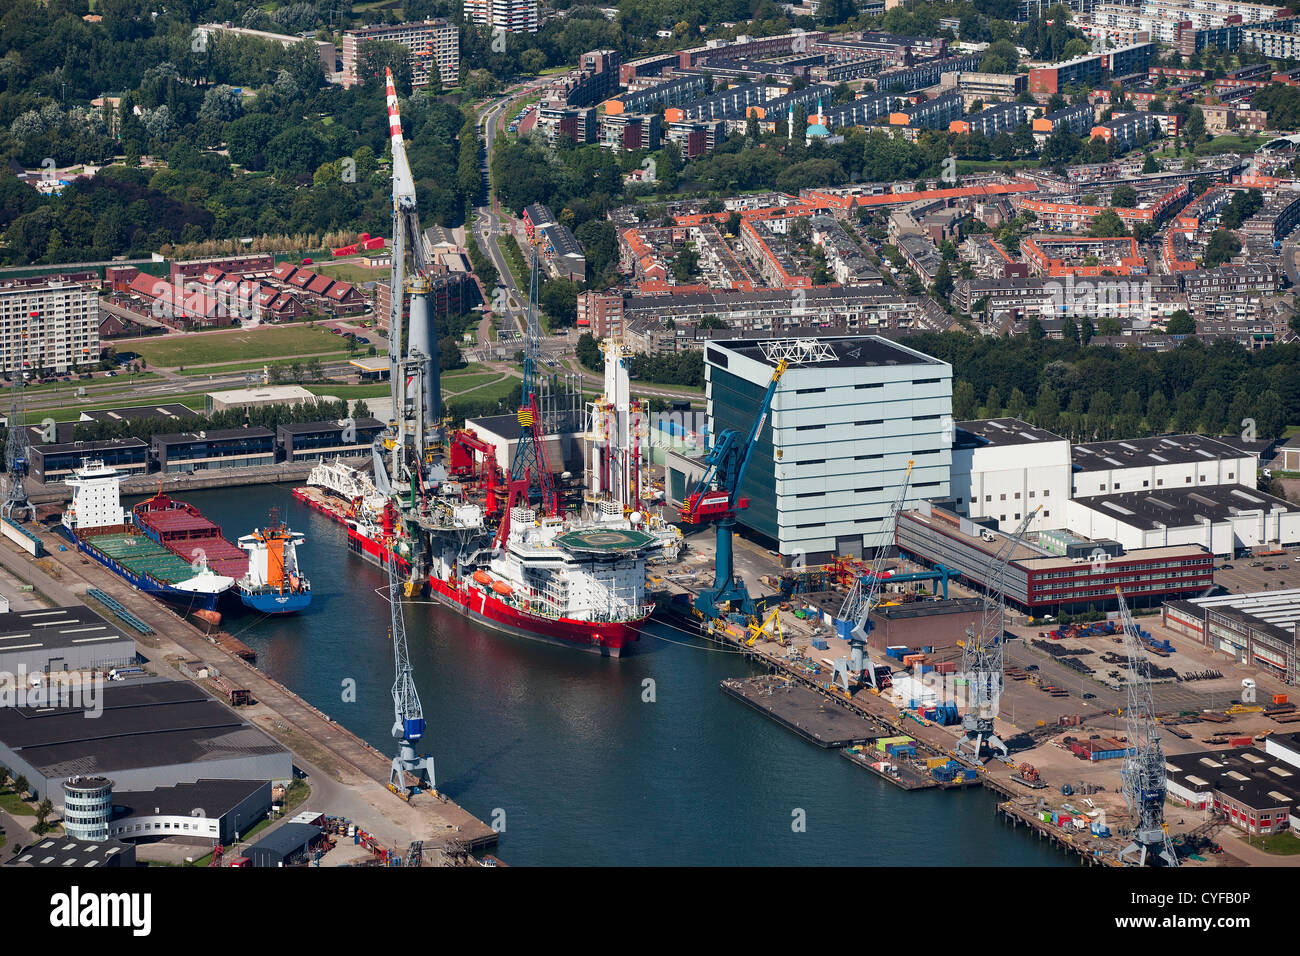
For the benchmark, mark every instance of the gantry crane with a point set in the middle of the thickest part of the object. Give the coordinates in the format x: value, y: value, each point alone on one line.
x: 408, y: 716
x: 717, y: 498
x: 16, y: 505
x: 1144, y: 767
x: 981, y: 658
x: 862, y: 600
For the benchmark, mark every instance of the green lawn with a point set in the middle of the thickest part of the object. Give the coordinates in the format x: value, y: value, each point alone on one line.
x: 1279, y: 844
x: 493, y: 391
x: 14, y: 805
x: 470, y: 369
x: 200, y: 348
x: 89, y: 385
x: 224, y: 368
x: 465, y: 383
x: 351, y: 272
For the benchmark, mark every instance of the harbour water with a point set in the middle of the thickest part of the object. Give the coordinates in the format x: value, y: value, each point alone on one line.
x: 581, y: 759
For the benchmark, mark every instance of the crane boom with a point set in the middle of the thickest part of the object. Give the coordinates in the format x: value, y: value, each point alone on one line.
x: 408, y: 715
x: 716, y: 497
x: 862, y: 600
x: 982, y: 656
x: 1145, y: 781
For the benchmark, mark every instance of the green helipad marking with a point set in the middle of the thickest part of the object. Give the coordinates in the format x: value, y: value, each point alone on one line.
x: 604, y: 539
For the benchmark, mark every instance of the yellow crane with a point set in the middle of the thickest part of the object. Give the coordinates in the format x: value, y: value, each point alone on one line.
x: 757, y: 630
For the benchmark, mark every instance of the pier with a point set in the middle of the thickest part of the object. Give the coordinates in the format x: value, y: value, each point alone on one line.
x: 344, y: 771
x: 800, y: 710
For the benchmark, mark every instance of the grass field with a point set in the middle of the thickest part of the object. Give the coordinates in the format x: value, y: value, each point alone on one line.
x: 466, y: 383
x: 351, y: 272
x: 201, y: 348
x: 1279, y: 844
x: 225, y: 368
x: 15, y: 805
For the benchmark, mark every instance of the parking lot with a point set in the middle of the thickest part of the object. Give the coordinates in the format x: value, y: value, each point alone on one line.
x: 1262, y: 573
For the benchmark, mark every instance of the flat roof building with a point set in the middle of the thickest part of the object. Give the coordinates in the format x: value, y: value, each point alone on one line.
x: 64, y: 852
x: 1041, y: 580
x: 216, y: 448
x: 1258, y: 629
x: 848, y: 415
x: 285, y: 846
x: 206, y: 810
x: 1003, y: 467
x: 57, y: 639
x: 50, y: 463
x: 151, y: 733
x: 312, y: 441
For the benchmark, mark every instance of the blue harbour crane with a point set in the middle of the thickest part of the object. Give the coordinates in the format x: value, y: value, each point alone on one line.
x: 408, y: 715
x: 717, y: 498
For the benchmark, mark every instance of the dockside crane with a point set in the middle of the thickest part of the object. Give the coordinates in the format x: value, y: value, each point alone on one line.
x: 16, y: 504
x: 1144, y: 768
x: 862, y: 600
x: 408, y: 715
x: 717, y: 498
x: 413, y: 448
x: 982, y: 655
x: 531, y: 472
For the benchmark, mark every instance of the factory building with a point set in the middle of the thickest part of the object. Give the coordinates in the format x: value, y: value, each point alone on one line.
x: 1252, y: 789
x: 1053, y: 576
x: 287, y: 845
x: 1165, y: 462
x: 62, y: 853
x: 848, y: 415
x: 1002, y: 467
x: 152, y: 733
x: 1220, y: 518
x: 1258, y: 629
x: 52, y: 640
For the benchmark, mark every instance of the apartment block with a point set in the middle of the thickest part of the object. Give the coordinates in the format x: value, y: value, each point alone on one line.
x: 50, y: 326
x: 434, y: 46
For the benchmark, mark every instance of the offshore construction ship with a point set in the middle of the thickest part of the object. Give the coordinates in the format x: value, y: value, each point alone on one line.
x: 502, y: 549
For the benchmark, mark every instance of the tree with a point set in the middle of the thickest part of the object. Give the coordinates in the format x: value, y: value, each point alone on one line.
x: 1124, y: 197
x: 21, y: 785
x: 377, y: 56
x: 1109, y: 325
x: 315, y: 370
x: 1194, y: 126
x: 43, y: 811
x: 963, y: 401
x: 1222, y: 246
x: 1107, y: 224
x: 1180, y: 323
x: 221, y: 103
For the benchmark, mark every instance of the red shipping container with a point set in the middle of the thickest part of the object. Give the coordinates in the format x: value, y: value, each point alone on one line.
x: 1240, y: 741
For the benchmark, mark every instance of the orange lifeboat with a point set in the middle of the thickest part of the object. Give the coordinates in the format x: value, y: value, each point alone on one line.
x: 482, y: 577
x: 502, y: 588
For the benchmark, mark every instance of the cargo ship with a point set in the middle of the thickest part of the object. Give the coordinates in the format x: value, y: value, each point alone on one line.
x: 274, y: 583
x: 100, y: 527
